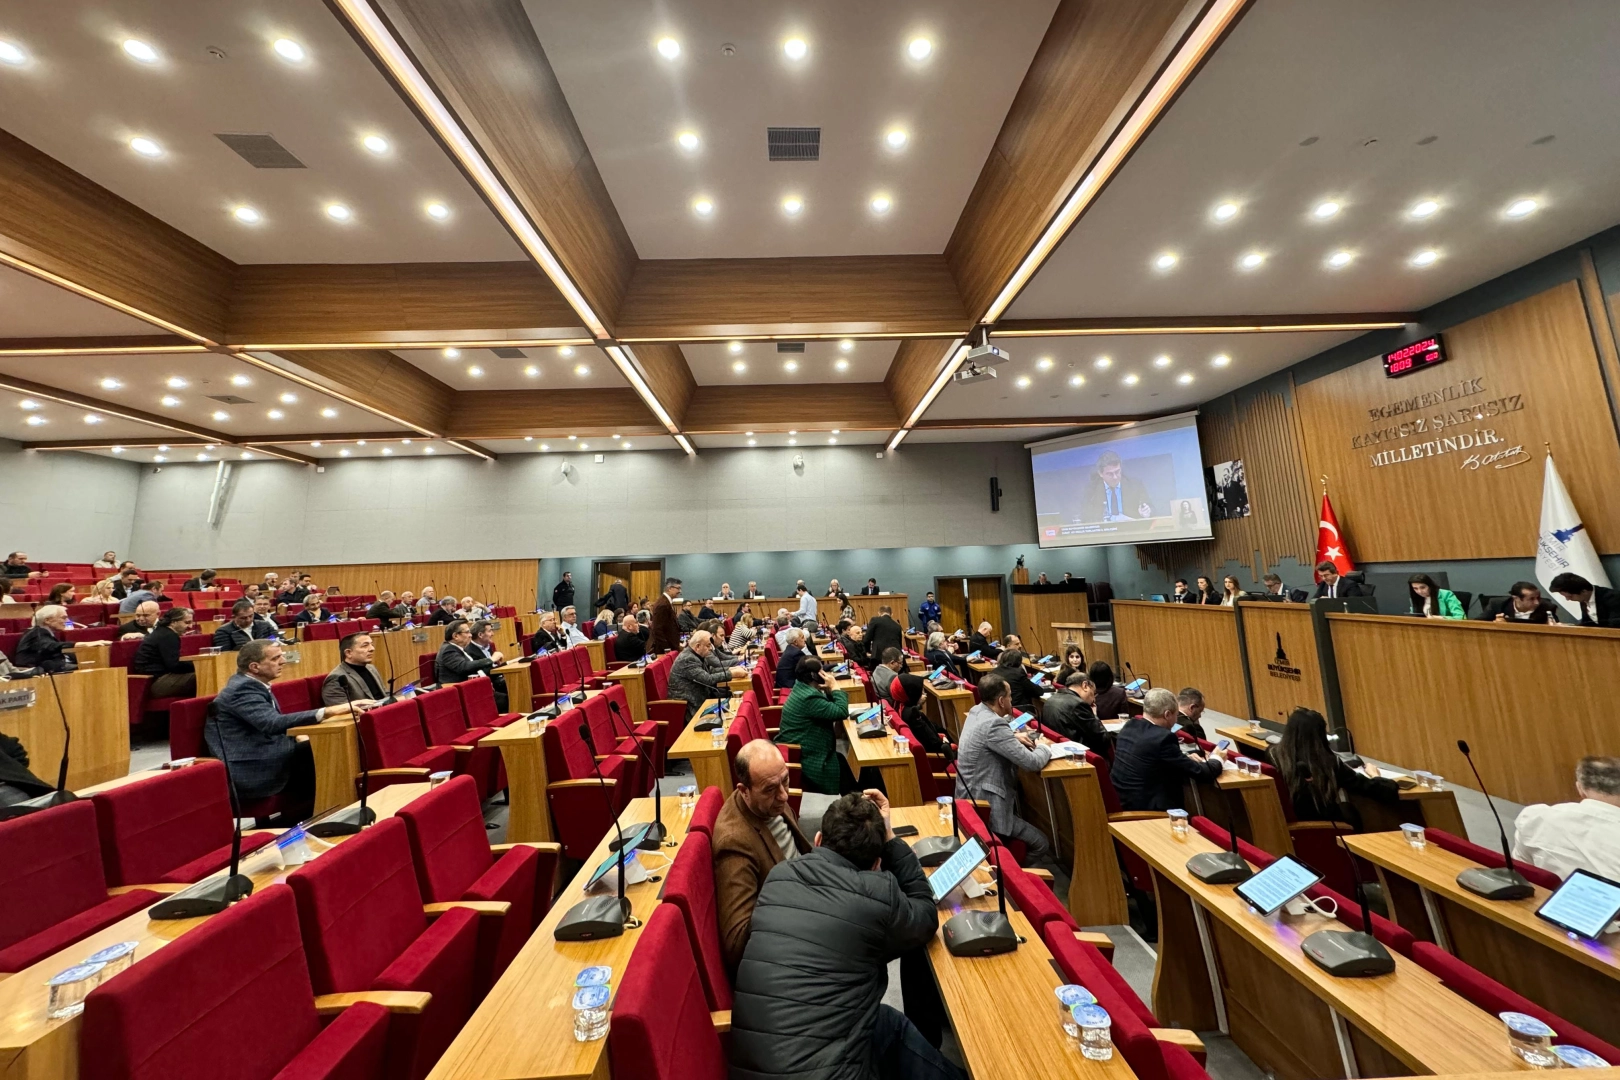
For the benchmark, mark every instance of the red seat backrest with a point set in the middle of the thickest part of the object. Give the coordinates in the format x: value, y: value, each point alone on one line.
x: 50, y: 869
x: 292, y: 695
x: 151, y: 826
x: 188, y: 718
x: 323, y: 631
x: 348, y: 626
x: 1036, y: 901
x: 426, y: 671
x: 93, y: 612
x: 1133, y: 1037
x: 442, y: 718
x: 1105, y: 783
x: 690, y: 887
x: 359, y: 908
x: 661, y: 1029
x: 120, y: 653
x: 1493, y: 859
x: 192, y: 644
x: 578, y: 761
x: 551, y: 676
x: 314, y: 684
x: 449, y: 846
x: 8, y: 643
x: 603, y: 730
x: 478, y: 702
x: 707, y: 811
x: 392, y: 734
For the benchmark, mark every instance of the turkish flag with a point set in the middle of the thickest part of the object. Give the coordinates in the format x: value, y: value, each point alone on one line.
x: 1330, y: 546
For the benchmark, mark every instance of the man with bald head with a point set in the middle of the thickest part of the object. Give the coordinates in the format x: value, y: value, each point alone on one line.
x: 756, y: 830
x: 146, y: 617
x: 694, y: 679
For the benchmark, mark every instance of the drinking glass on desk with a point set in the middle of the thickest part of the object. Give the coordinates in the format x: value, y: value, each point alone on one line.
x: 717, y: 737
x: 1530, y: 1039
x: 69, y: 988
x: 688, y: 794
x: 1414, y: 835
x: 944, y: 802
x: 1069, y: 995
x: 591, y: 1013
x: 1096, y: 1038
x: 1178, y: 823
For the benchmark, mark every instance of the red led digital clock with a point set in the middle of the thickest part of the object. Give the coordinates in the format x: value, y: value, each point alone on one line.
x: 1414, y: 357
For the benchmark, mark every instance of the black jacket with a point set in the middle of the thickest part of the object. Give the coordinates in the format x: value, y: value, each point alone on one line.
x: 1113, y: 701
x: 935, y: 658
x: 1608, y: 608
x: 1070, y: 716
x: 616, y: 599
x: 978, y: 643
x: 1307, y: 807
x: 231, y: 638
x: 14, y: 772
x: 305, y: 616
x: 563, y: 595
x: 386, y: 616
x: 629, y: 647
x: 39, y: 648
x: 442, y: 616
x: 545, y: 639
x: 687, y: 621
x: 815, y: 967
x: 1024, y: 692
x: 1149, y: 767
x: 870, y: 590
x: 856, y: 650
x: 1345, y: 588
x: 787, y: 667
x: 159, y: 654
x: 1545, y: 611
x: 452, y: 665
x: 883, y: 633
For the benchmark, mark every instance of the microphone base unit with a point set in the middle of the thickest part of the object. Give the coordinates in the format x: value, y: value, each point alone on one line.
x: 935, y: 850
x: 1501, y: 883
x: 343, y: 823
x: 1348, y: 954
x: 208, y: 897
x: 593, y: 918
x: 1219, y: 868
x: 651, y: 842
x: 980, y: 933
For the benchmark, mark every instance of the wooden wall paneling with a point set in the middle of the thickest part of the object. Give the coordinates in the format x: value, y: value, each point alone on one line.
x: 1600, y: 317
x: 669, y: 376
x: 1285, y: 672
x: 844, y: 406
x: 288, y: 304
x: 1413, y: 687
x: 1522, y: 375
x: 1035, y: 612
x: 694, y: 299
x: 916, y: 364
x: 511, y: 581
x: 984, y: 604
x: 951, y: 593
x: 378, y: 380
x: 1177, y: 645
x: 56, y: 221
x: 509, y: 414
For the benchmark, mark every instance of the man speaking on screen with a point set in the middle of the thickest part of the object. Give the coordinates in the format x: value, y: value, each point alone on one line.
x: 1110, y: 495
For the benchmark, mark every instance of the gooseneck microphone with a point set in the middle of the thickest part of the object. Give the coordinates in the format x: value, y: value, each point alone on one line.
x: 981, y: 933
x: 655, y: 835
x: 348, y: 822
x: 597, y: 917
x: 214, y: 894
x: 1503, y: 882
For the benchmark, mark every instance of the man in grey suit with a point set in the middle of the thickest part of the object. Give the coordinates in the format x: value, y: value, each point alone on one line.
x: 456, y: 661
x: 250, y: 730
x: 988, y: 757
x: 354, y: 673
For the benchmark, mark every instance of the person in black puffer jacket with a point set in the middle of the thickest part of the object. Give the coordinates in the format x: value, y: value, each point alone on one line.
x: 809, y: 990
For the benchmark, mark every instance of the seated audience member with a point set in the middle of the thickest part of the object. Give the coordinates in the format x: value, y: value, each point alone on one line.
x: 569, y: 627
x: 630, y: 643
x: 5, y: 591
x: 482, y: 647
x: 1180, y: 594
x: 706, y: 612
x: 203, y: 582
x: 313, y: 611
x: 788, y: 665
x: 853, y: 639
x: 1599, y: 606
x: 387, y: 613
x: 937, y: 654
x: 687, y: 620
x: 251, y: 591
x: 16, y: 566
x: 928, y: 611
x: 1320, y: 784
x: 720, y: 654
x: 883, y: 632
x: 870, y: 588
x: 264, y: 619
x: 145, y: 620
x: 252, y: 730
x: 159, y: 656
x: 1523, y: 604
x: 62, y: 593
x: 989, y: 756
x: 100, y: 593
x: 891, y: 664
x: 742, y: 634
x: 1011, y: 668
x: 1430, y: 600
x: 296, y: 589
x: 444, y: 612
x: 812, y: 719
x: 1331, y: 584
x: 694, y: 679
x: 1581, y: 835
x: 355, y: 673
x: 1204, y: 591
x: 603, y: 626
x: 137, y: 594
x: 810, y: 985
x: 128, y: 581
x: 1149, y: 768
x: 108, y: 561
x: 1112, y: 701
x: 1190, y: 706
x: 1230, y: 591
x: 933, y: 739
x: 455, y: 662
x: 1073, y: 660
x: 755, y: 831
x: 428, y: 603
x: 471, y: 610
x: 1013, y: 641
x: 241, y: 629
x: 1069, y: 712
x: 42, y: 645
x: 17, y: 783
x: 784, y: 623
x: 271, y: 586
x: 550, y: 637
x: 979, y: 642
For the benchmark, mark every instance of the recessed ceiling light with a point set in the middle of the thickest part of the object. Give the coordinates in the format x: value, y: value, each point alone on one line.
x: 582, y: 370
x: 204, y: 457
x: 118, y: 449
x: 545, y: 446
x: 246, y: 454
x: 275, y: 414
x: 624, y: 446
x: 407, y: 442
x: 702, y: 206
x: 1220, y: 360
x: 146, y: 147
x: 1325, y: 209
x: 1166, y: 261
x: 91, y: 418
x: 159, y: 457
x: 1423, y: 208
x: 388, y: 451
x: 793, y: 442
x: 1426, y: 257
x: 1340, y: 259
x: 163, y: 449
x: 919, y: 48
x: 841, y: 364
x: 247, y: 215
x: 1161, y: 361
x: 437, y: 211
x: 375, y: 143
x: 289, y: 398
x: 110, y: 384
x: 241, y: 380
x: 573, y: 438
x: 748, y: 433
x: 793, y: 431
x: 528, y: 438
x: 329, y: 413
x: 790, y: 365
x: 28, y: 404
x: 881, y: 203
x: 338, y: 212
x: 344, y: 452
x: 1251, y: 261
x: 289, y: 50
x: 532, y: 372
x: 1519, y: 208
x: 1131, y: 380
x: 427, y: 450
x: 836, y: 431
x: 140, y: 50
x: 1077, y: 380
x: 175, y: 382
x: 738, y: 366
x: 566, y: 351
x: 832, y: 442
x: 168, y: 401
x: 1103, y: 362
x: 221, y: 414
x: 669, y: 48
x: 1184, y: 378
x: 12, y: 53
x: 315, y: 444
x: 795, y: 48
x: 792, y: 205
x: 734, y: 348
x: 1023, y: 382
x: 1044, y: 363
x: 584, y: 446
x: 688, y: 140
x: 475, y: 371
x: 753, y: 442
x: 1225, y: 211
x: 452, y: 353
x: 210, y: 446
x: 847, y: 345
x: 896, y: 138
x: 616, y: 436
x: 360, y: 442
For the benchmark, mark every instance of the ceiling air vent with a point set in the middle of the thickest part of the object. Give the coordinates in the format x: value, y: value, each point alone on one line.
x: 790, y: 346
x: 794, y: 143
x: 229, y: 399
x: 260, y: 151
x: 508, y: 354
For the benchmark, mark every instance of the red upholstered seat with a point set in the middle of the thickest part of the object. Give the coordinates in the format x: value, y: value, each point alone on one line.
x: 690, y: 887
x: 582, y: 810
x: 1180, y: 1064
x: 52, y: 886
x: 478, y: 704
x: 426, y: 671
x: 454, y: 862
x: 323, y: 631
x: 360, y: 911
x: 661, y: 1028
x: 1493, y: 859
x: 444, y: 724
x: 1132, y: 1020
x: 707, y: 811
x: 187, y: 717
x: 1036, y: 901
x: 292, y: 695
x: 230, y: 999
x: 609, y: 737
x: 393, y: 740
x: 172, y: 828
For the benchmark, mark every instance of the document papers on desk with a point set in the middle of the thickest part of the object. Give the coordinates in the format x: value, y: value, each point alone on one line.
x: 1068, y: 750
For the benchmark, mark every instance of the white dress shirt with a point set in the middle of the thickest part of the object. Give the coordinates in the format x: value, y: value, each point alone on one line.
x: 1561, y: 837
x: 573, y: 633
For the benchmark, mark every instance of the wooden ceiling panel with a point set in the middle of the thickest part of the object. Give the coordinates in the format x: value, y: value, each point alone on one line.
x: 719, y: 410
x: 668, y: 374
x: 512, y: 414
x: 916, y: 365
x: 378, y: 380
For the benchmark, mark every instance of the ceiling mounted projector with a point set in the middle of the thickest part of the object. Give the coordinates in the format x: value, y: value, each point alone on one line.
x: 971, y: 372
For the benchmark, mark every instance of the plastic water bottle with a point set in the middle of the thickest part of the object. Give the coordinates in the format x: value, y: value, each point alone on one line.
x: 1096, y: 1032
x: 591, y: 1005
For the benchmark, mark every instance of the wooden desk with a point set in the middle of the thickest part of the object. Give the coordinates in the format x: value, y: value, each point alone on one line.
x: 96, y: 704
x: 337, y: 760
x: 525, y: 1026
x: 1001, y: 1040
x: 314, y: 658
x: 634, y: 681
x: 91, y: 654
x: 947, y: 708
x: 899, y: 770
x: 397, y: 651
x: 1255, y: 803
x: 710, y: 765
x: 597, y: 651
x: 1096, y: 640
x: 519, y: 686
x: 528, y: 782
x: 1220, y: 965
x: 1183, y: 645
x: 1281, y: 683
x: 1578, y: 980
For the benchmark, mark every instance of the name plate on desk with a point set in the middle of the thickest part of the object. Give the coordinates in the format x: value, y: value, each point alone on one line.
x: 23, y: 697
x: 418, y: 637
x: 290, y: 655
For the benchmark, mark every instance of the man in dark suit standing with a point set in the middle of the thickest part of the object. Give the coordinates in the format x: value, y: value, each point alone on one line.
x: 870, y: 588
x: 1331, y: 584
x: 883, y: 633
x: 1149, y: 767
x: 664, y: 633
x: 563, y: 595
x: 1599, y: 606
x: 1110, y: 495
x: 617, y: 598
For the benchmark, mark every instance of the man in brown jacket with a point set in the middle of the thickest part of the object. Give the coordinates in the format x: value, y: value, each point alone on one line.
x: 664, y: 632
x: 755, y: 831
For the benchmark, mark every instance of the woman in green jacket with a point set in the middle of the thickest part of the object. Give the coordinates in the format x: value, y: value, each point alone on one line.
x: 812, y: 719
x: 1430, y: 600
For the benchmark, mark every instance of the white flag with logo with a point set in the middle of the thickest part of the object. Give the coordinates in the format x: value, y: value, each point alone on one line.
x: 1564, y: 544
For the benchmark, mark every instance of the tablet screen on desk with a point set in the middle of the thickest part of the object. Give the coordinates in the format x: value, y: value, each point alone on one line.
x: 632, y: 837
x: 954, y: 869
x: 1277, y: 884
x: 1584, y: 904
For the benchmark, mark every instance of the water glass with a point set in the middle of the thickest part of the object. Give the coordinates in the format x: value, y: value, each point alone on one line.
x: 1414, y: 835
x: 1424, y: 779
x: 944, y: 802
x: 717, y: 737
x: 69, y: 988
x: 1437, y: 782
x: 1578, y: 1057
x: 113, y: 959
x: 1530, y: 1039
x: 688, y: 794
x: 437, y: 778
x: 591, y: 1013
x: 1069, y: 995
x: 1096, y: 1039
x: 1178, y: 824
x: 1253, y: 766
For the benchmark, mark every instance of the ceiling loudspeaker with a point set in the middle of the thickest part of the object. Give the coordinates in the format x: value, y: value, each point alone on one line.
x: 995, y: 495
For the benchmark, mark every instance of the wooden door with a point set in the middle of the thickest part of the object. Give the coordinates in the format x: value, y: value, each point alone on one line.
x: 984, y: 603
x: 606, y: 574
x: 951, y: 592
x: 646, y: 580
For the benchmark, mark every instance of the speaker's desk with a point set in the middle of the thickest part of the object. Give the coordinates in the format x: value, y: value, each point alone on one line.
x: 1577, y: 979
x: 710, y: 765
x: 1222, y: 966
x: 525, y: 1026
x: 95, y: 704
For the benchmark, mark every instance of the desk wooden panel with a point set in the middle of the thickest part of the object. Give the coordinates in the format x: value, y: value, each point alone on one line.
x: 1176, y: 645
x: 1000, y: 1006
x: 519, y: 686
x: 528, y: 818
x: 634, y: 681
x: 337, y: 760
x: 597, y: 651
x: 1406, y: 1022
x: 1065, y: 801
x: 314, y: 658
x: 1413, y: 687
x: 899, y: 771
x: 1277, y: 690
x: 91, y: 654
x: 947, y: 708
x: 1255, y: 801
x: 96, y: 704
x: 1578, y: 980
x: 525, y: 1026
x: 397, y: 651
x: 1035, y: 610
x: 710, y: 765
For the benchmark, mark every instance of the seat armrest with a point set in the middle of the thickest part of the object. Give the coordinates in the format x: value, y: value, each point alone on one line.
x: 1097, y: 940
x: 502, y: 849
x: 395, y: 1001
x: 721, y: 1019
x: 1035, y: 871
x: 419, y: 773
x: 482, y: 907
x: 1187, y: 1040
x: 590, y: 782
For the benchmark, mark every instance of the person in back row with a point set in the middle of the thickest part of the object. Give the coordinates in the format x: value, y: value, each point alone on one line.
x: 386, y: 612
x: 1112, y: 701
x: 1320, y: 784
x: 1190, y: 706
x: 989, y: 755
x: 241, y: 629
x: 787, y: 666
x: 159, y: 656
x: 1581, y: 835
x: 809, y: 989
x: 1010, y: 666
x: 891, y: 664
x: 755, y: 831
x: 1069, y: 712
x: 42, y: 645
x: 630, y: 642
x: 1430, y: 600
x: 1149, y: 767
